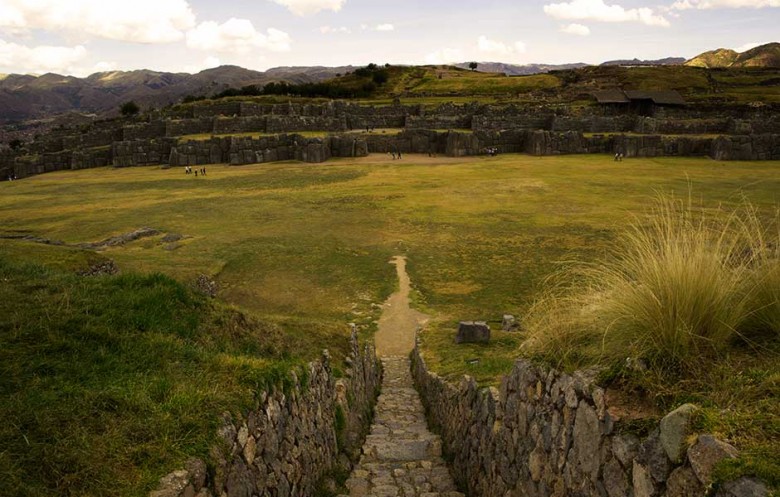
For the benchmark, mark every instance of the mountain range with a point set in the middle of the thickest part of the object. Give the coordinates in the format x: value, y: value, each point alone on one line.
x: 762, y: 56
x: 26, y: 97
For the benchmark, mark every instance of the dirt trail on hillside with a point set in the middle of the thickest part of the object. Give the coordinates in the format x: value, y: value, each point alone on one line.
x: 398, y: 322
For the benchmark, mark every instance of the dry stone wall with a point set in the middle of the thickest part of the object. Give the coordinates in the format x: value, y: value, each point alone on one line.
x: 747, y: 134
x: 545, y: 433
x: 286, y: 446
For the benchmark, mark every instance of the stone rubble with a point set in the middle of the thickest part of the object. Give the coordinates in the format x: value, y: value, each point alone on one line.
x: 401, y: 458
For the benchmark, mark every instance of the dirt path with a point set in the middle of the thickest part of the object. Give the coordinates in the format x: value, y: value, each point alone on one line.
x: 398, y: 322
x: 400, y: 457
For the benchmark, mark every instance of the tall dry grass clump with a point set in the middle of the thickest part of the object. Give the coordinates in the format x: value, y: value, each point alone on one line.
x: 683, y: 285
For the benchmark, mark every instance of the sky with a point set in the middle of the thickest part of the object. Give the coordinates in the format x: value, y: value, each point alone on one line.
x: 80, y: 37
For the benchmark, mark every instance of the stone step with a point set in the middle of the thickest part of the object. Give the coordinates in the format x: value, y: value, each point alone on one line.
x: 401, y: 457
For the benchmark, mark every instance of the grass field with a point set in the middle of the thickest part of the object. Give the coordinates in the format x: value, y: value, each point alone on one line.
x: 306, y: 247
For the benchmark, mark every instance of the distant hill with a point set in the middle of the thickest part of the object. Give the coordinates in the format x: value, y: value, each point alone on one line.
x: 24, y: 97
x: 762, y: 56
x: 519, y: 70
x: 668, y: 61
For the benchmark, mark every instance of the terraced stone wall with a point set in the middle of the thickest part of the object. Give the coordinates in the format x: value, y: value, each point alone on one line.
x: 545, y: 433
x: 293, y: 439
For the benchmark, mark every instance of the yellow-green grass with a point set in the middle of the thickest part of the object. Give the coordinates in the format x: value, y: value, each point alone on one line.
x: 305, y: 241
x: 249, y: 134
x: 306, y: 246
x: 475, y: 83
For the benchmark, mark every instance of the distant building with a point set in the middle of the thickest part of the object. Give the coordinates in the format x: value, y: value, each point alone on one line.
x: 643, y: 103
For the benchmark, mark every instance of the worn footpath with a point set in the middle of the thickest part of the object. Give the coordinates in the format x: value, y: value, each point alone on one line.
x: 401, y: 458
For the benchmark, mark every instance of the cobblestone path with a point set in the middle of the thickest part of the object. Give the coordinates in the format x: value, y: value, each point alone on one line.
x: 401, y: 458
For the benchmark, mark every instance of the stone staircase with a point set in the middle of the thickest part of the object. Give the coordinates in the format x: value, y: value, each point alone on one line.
x: 401, y: 458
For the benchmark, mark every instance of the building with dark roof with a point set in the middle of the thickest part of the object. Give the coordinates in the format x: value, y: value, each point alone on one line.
x: 640, y: 102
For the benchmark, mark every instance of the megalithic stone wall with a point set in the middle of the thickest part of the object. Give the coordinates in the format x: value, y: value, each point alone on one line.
x: 293, y: 439
x: 545, y: 433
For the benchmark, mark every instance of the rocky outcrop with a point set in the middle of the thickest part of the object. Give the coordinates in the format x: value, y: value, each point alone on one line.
x: 293, y: 439
x: 546, y: 433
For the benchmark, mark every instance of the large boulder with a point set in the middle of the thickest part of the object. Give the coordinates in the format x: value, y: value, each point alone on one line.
x: 473, y: 332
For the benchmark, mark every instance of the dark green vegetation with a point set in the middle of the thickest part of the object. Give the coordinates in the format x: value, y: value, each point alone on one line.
x: 304, y: 248
x: 107, y: 382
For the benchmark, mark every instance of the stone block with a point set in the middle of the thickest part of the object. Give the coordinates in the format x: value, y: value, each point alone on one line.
x: 473, y: 332
x: 706, y: 453
x: 509, y: 323
x: 744, y: 487
x: 675, y: 429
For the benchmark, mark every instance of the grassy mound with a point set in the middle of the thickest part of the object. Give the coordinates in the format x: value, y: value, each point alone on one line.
x: 109, y: 382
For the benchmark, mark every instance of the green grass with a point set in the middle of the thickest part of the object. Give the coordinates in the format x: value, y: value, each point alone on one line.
x: 107, y: 383
x: 305, y: 246
x: 250, y: 134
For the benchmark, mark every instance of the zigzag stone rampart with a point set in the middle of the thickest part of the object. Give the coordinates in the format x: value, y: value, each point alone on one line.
x: 723, y: 133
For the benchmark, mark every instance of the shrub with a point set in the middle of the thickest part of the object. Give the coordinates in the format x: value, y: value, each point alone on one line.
x: 679, y: 288
x: 129, y: 108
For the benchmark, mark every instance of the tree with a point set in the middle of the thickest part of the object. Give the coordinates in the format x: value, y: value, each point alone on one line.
x: 380, y: 77
x: 473, y: 66
x: 15, y: 144
x: 129, y: 109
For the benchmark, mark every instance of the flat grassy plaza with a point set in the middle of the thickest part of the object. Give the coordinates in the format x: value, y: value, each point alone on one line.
x: 304, y: 249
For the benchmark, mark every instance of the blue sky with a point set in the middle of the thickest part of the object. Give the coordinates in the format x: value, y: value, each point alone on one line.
x: 84, y: 36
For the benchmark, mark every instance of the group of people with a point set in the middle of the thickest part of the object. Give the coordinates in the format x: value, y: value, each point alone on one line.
x: 189, y: 170
x: 618, y: 156
x: 396, y: 154
x: 11, y: 177
x: 491, y: 151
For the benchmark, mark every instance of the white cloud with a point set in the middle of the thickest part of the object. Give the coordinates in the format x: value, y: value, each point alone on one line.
x: 749, y: 46
x: 141, y: 21
x: 501, y: 49
x: 575, y: 29
x: 723, y: 4
x: 597, y: 10
x: 210, y: 62
x: 378, y: 27
x: 306, y: 7
x: 445, y: 56
x: 237, y: 36
x: 326, y: 30
x: 103, y: 66
x: 41, y: 59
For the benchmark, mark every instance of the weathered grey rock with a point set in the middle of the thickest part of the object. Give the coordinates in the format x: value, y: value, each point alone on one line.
x: 173, y: 484
x: 675, y: 429
x: 683, y: 483
x: 509, y: 323
x: 644, y: 485
x: 653, y: 457
x: 706, y: 453
x: 625, y: 447
x: 743, y: 487
x: 587, y: 439
x: 615, y: 479
x: 473, y: 332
